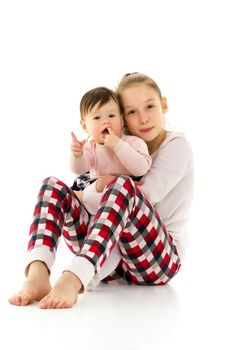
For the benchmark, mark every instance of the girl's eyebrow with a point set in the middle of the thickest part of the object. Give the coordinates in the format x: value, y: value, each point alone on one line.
x: 149, y: 100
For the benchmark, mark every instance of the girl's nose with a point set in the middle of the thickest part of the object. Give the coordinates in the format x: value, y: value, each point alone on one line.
x: 143, y: 118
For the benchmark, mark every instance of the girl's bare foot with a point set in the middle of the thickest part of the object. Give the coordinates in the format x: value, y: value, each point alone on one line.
x: 64, y: 294
x: 35, y: 287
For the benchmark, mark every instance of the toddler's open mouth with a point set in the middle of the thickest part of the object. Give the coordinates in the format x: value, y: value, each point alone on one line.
x: 105, y: 132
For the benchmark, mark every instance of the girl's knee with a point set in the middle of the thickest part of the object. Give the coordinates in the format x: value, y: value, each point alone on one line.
x: 123, y: 184
x: 55, y: 183
x: 51, y: 180
x: 52, y: 183
x: 122, y: 179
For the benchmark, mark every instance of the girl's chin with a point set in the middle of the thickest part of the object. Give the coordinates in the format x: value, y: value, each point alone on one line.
x: 148, y: 138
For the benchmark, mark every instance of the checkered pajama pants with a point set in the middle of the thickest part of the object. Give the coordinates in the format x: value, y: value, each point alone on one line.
x: 125, y: 218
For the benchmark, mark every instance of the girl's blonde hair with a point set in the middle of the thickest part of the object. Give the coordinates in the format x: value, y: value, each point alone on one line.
x: 137, y: 78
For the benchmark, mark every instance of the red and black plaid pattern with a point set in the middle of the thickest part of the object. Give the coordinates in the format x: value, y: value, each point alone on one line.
x: 57, y: 212
x: 127, y: 218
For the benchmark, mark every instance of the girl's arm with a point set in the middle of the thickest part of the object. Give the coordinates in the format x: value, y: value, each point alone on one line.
x: 172, y: 163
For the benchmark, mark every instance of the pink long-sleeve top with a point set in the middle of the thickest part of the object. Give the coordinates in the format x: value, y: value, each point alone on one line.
x: 130, y: 156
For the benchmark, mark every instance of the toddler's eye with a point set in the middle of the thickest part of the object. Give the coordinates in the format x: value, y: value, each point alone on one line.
x: 96, y: 118
x: 111, y: 115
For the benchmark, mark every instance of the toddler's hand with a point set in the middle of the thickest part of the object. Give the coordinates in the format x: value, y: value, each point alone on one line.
x: 79, y: 194
x: 140, y: 182
x: 111, y: 139
x: 102, y: 181
x: 77, y: 146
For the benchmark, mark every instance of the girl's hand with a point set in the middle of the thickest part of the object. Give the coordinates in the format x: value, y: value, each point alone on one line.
x: 102, y: 181
x: 111, y: 139
x: 76, y: 146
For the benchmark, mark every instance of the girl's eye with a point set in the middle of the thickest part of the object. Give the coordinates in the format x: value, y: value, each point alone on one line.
x: 111, y: 115
x: 131, y: 112
x: 96, y: 118
x: 150, y: 106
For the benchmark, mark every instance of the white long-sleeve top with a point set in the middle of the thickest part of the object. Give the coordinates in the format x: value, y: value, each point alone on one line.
x: 130, y: 156
x: 168, y: 185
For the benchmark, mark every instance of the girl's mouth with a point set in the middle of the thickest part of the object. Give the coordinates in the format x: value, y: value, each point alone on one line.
x: 147, y: 129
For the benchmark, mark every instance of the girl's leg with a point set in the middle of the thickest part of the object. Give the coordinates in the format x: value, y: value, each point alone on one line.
x: 126, y: 218
x: 57, y: 212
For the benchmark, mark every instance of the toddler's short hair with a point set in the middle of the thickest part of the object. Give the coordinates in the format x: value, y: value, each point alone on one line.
x: 100, y: 95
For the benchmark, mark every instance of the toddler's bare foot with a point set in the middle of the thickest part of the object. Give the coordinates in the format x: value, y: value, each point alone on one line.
x: 64, y: 294
x: 35, y: 287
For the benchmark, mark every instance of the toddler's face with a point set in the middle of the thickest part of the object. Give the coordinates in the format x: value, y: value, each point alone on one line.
x: 100, y: 118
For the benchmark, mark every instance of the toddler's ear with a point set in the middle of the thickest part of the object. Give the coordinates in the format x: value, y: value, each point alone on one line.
x: 83, y: 125
x: 164, y: 104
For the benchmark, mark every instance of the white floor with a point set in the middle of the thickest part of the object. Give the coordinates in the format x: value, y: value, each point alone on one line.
x: 193, y: 312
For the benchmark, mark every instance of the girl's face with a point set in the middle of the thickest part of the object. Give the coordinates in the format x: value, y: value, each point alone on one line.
x: 99, y: 119
x: 143, y: 111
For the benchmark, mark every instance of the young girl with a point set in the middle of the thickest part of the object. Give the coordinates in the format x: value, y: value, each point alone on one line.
x: 145, y: 226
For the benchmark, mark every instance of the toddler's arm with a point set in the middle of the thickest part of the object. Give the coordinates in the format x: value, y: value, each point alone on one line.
x: 83, y: 163
x: 134, y: 155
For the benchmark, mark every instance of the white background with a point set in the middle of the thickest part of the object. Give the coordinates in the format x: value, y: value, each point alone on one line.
x: 52, y: 52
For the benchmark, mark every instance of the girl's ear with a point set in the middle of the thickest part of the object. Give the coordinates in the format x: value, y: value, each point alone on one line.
x: 164, y: 104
